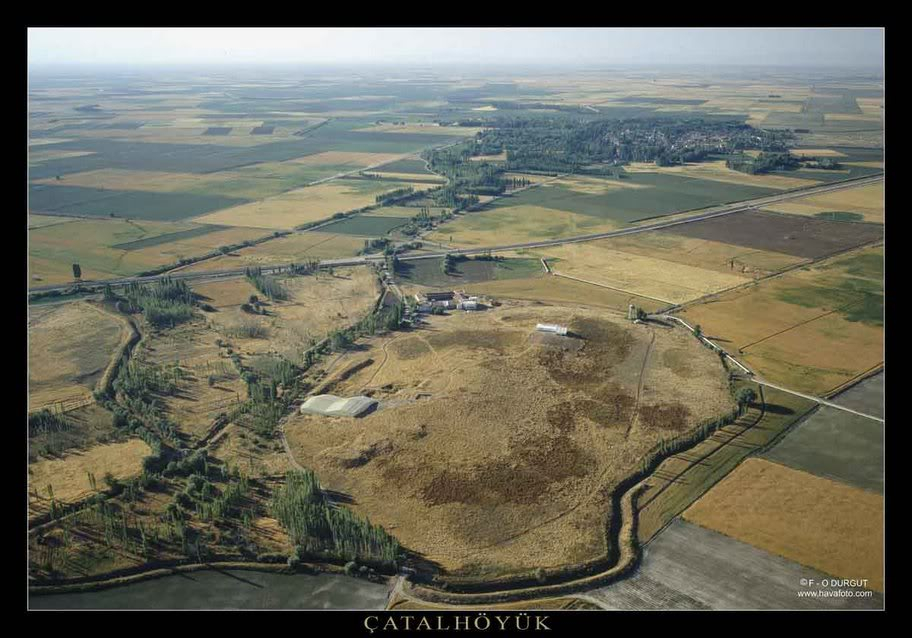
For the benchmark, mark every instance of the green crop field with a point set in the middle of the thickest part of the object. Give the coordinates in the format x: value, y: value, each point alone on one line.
x: 653, y: 195
x: 429, y: 272
x: 416, y: 166
x: 98, y: 202
x: 165, y: 238
x: 365, y: 226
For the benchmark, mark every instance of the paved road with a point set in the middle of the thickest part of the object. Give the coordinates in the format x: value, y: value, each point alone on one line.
x: 719, y: 211
x: 811, y: 397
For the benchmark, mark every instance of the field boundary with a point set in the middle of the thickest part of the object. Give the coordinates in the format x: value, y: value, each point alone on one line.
x: 161, y: 569
x: 779, y: 273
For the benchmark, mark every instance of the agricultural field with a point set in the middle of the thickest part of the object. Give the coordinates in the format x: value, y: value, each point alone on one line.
x: 366, y: 226
x: 306, y: 205
x: 839, y: 445
x: 102, y: 202
x: 812, y: 329
x: 296, y: 247
x: 490, y: 496
x: 814, y: 521
x: 865, y: 203
x: 796, y: 236
x: 111, y: 248
x: 718, y: 172
x: 684, y: 477
x: 689, y: 567
x: 516, y: 224
x: 70, y: 346
x: 636, y: 196
x: 429, y: 272
x: 660, y: 280
x: 545, y: 288
x: 706, y: 254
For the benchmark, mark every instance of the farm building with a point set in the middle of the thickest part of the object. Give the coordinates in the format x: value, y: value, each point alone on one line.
x: 437, y: 296
x: 552, y: 328
x: 467, y: 304
x: 331, y: 405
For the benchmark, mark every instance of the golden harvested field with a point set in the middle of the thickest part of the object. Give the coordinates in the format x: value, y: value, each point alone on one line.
x: 173, y: 251
x: 406, y: 177
x: 402, y: 211
x: 469, y: 477
x: 529, y: 177
x: 816, y: 152
x: 811, y: 329
x: 317, y: 305
x: 862, y: 118
x: 39, y: 221
x: 70, y: 345
x: 101, y: 247
x: 594, y: 185
x: 550, y: 289
x: 303, y: 205
x: 870, y: 105
x: 814, y: 521
x: 68, y: 476
x: 283, y: 250
x: 641, y: 275
x: 155, y: 181
x: 717, y: 171
x: 47, y: 154
x: 500, y: 157
x: 701, y: 253
x: 865, y: 200
x: 517, y: 224
x: 807, y: 356
x: 348, y: 158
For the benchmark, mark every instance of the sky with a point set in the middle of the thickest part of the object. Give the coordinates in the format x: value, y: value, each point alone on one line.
x: 862, y: 47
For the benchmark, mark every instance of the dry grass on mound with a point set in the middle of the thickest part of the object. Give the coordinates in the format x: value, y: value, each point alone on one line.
x: 493, y: 452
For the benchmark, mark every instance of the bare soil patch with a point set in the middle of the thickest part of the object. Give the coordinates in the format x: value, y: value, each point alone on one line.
x: 799, y: 236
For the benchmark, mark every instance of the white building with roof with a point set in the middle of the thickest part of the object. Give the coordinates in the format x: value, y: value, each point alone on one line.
x: 331, y: 405
x: 552, y: 328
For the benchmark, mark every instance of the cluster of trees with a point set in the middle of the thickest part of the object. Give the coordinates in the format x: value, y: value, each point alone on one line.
x: 392, y: 195
x: 465, y: 176
x: 448, y: 262
x: 165, y: 303
x: 563, y: 144
x: 269, y: 286
x: 319, y: 529
x: 764, y: 163
x: 137, y: 409
x: 375, y: 245
x: 785, y: 161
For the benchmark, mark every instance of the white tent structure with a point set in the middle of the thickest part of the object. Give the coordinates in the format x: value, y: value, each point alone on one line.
x: 553, y: 328
x: 331, y: 405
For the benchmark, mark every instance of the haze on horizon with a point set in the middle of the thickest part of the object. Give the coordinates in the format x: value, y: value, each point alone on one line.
x: 853, y: 48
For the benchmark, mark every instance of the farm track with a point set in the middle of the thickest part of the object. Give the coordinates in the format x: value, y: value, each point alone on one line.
x: 640, y: 384
x: 720, y: 211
